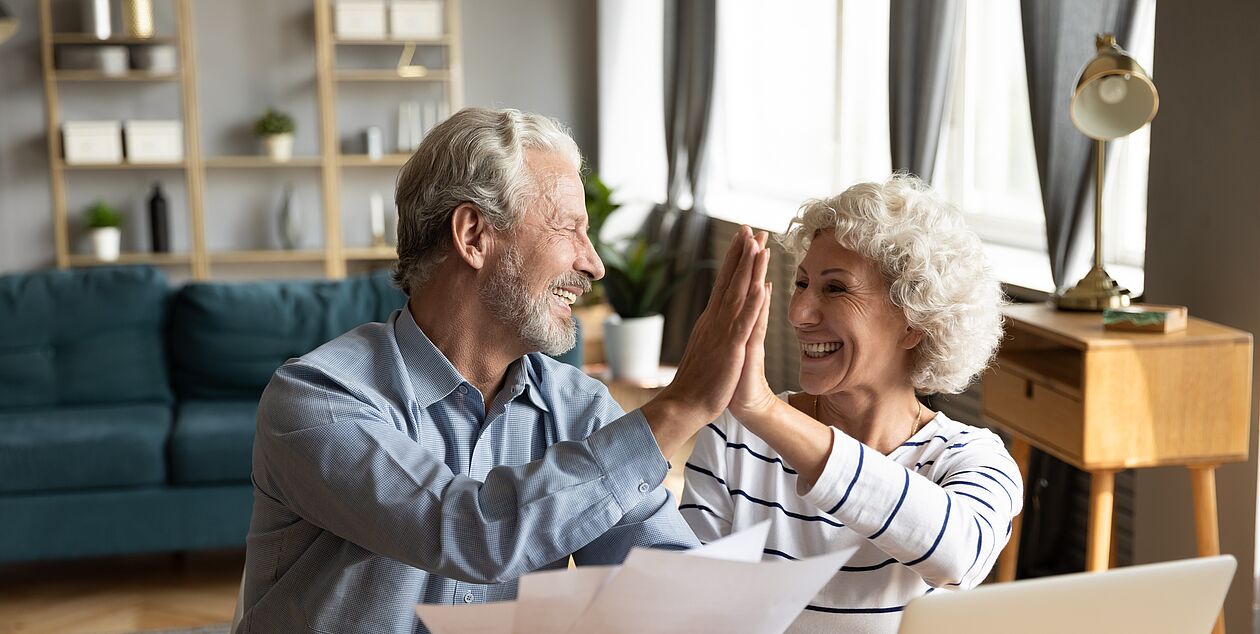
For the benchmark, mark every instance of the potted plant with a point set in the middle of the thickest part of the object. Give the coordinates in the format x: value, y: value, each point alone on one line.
x: 639, y: 278
x: 275, y: 128
x: 103, y: 222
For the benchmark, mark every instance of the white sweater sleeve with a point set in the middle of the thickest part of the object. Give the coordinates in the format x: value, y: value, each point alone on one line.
x: 706, y: 504
x: 949, y: 531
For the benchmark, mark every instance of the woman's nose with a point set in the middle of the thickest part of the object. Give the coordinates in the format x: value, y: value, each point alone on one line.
x: 802, y: 311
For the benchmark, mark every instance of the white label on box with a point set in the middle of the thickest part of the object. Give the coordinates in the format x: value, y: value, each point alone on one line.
x: 360, y: 19
x: 415, y: 19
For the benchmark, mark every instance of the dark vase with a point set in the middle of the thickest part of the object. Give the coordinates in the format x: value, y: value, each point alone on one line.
x: 159, y: 222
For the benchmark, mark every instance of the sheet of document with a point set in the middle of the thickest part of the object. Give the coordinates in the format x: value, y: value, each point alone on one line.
x: 487, y: 618
x: 722, y: 586
x: 659, y: 591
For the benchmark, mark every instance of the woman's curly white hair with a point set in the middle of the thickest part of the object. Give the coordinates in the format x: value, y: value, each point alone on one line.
x: 936, y: 271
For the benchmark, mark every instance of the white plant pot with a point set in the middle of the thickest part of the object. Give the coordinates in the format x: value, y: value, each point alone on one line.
x: 632, y: 347
x: 279, y: 147
x: 106, y: 242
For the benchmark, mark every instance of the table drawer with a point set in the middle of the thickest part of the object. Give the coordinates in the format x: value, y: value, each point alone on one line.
x: 1035, y: 410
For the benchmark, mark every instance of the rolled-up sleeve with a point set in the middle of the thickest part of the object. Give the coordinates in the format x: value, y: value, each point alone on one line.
x: 343, y: 465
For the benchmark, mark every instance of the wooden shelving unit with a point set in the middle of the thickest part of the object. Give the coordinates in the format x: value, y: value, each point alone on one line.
x: 335, y: 255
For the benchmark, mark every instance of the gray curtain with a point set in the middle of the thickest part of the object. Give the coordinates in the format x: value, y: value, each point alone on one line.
x: 1058, y: 40
x: 922, y: 41
x: 690, y: 53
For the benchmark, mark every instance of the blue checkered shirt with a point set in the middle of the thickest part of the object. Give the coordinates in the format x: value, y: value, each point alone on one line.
x: 381, y: 480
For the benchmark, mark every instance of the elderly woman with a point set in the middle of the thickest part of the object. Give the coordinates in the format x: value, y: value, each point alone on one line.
x: 892, y: 300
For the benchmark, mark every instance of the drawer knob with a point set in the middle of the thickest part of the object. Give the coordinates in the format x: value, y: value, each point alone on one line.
x: 1028, y: 389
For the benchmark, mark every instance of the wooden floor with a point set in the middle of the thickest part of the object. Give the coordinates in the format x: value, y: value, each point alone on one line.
x: 120, y: 594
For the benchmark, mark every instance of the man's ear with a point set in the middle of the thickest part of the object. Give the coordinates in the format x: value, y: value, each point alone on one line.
x: 471, y: 235
x: 911, y: 337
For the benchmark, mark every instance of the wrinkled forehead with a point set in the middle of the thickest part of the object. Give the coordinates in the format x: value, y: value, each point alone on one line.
x: 557, y: 188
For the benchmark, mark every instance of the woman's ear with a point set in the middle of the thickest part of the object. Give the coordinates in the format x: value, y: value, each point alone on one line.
x: 911, y: 337
x: 470, y: 235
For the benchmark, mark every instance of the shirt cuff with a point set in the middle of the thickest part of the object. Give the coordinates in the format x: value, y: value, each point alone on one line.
x: 844, y: 464
x: 628, y: 456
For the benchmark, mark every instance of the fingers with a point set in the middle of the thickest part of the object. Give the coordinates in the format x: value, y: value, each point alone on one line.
x: 733, y: 255
x: 756, y: 291
x: 758, y: 338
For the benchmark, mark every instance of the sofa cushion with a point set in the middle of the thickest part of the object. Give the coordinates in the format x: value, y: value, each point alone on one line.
x: 85, y: 336
x: 227, y: 339
x: 80, y: 447
x: 213, y: 441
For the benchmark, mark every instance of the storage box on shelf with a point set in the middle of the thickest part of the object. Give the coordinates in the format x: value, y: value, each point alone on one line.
x: 153, y: 141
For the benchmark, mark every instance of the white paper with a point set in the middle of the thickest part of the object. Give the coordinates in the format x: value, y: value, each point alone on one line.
x: 487, y: 618
x: 745, y: 545
x: 721, y: 587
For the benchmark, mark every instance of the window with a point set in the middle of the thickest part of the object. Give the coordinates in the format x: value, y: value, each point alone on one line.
x: 801, y: 111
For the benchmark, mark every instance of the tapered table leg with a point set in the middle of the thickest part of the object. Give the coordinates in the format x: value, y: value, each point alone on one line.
x: 1203, y: 483
x: 1101, y: 505
x: 1021, y: 452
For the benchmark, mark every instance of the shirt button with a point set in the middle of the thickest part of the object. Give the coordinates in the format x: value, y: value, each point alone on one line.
x: 463, y: 390
x: 468, y: 598
x: 644, y: 488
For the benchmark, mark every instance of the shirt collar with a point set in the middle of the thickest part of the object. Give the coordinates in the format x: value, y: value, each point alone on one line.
x: 433, y: 377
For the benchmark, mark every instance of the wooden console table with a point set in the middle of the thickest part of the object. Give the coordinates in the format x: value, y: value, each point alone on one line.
x: 1105, y: 401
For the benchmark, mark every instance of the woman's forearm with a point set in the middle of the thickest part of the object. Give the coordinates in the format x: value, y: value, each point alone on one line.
x: 803, y: 442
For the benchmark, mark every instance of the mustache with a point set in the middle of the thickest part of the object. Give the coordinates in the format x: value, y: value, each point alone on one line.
x: 575, y: 280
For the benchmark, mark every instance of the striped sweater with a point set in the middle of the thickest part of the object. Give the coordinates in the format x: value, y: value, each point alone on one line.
x: 933, y: 514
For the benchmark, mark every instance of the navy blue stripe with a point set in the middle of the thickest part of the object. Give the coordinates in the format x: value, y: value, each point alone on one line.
x: 857, y: 472
x: 734, y: 445
x: 778, y: 553
x: 1009, y: 499
x: 904, y: 489
x: 949, y: 504
x: 920, y: 465
x: 976, y: 559
x: 717, y: 431
x: 819, y: 608
x: 970, y: 484
x: 776, y: 505
x: 924, y: 442
x: 882, y: 564
x: 1000, y: 472
x: 976, y: 499
x: 702, y: 508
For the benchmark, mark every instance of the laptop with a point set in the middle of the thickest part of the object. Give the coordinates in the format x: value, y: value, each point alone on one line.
x: 1176, y: 597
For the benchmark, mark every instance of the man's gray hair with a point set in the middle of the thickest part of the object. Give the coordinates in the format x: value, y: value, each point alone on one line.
x: 477, y: 156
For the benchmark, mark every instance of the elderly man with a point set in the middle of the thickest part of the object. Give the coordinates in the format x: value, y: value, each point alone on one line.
x: 438, y: 457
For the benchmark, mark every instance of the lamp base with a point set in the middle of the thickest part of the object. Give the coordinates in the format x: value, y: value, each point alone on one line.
x: 1096, y: 292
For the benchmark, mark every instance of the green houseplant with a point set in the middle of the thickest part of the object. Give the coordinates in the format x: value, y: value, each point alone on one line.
x: 639, y: 278
x: 275, y: 128
x: 103, y: 222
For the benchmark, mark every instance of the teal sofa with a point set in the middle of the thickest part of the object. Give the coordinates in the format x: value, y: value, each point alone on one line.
x: 127, y: 407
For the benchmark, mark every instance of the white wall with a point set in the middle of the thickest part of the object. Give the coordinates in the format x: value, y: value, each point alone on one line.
x: 537, y: 56
x: 1203, y: 234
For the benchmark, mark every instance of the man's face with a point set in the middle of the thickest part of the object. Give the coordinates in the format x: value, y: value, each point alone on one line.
x: 547, y: 262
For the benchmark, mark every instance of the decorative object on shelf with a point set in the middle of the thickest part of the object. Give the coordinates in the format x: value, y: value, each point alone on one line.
x: 290, y: 219
x: 360, y: 19
x: 376, y: 209
x: 159, y: 221
x: 110, y: 61
x: 96, y: 18
x: 92, y: 142
x: 275, y: 128
x: 153, y: 141
x: 418, y: 19
x: 409, y: 131
x: 154, y: 59
x: 1113, y: 98
x: 405, y: 67
x: 103, y: 222
x: 8, y: 23
x: 137, y: 18
x: 373, y: 143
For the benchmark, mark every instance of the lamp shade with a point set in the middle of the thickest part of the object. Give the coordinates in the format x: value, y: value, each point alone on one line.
x: 1113, y: 96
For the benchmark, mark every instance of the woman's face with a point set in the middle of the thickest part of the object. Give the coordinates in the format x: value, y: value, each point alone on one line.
x: 852, y: 336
